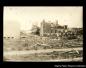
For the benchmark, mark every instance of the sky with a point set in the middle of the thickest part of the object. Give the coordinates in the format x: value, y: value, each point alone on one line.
x: 29, y: 15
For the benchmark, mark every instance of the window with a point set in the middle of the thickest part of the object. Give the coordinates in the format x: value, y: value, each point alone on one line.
x: 55, y: 31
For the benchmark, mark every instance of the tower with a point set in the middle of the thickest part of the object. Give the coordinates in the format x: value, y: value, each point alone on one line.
x: 42, y: 28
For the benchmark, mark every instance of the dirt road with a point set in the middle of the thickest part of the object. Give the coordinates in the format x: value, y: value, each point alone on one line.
x: 57, y: 60
x: 38, y: 51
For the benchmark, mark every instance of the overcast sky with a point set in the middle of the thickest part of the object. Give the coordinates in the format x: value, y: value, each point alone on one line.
x: 26, y: 16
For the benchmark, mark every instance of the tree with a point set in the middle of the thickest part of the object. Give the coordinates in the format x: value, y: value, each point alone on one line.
x: 35, y: 30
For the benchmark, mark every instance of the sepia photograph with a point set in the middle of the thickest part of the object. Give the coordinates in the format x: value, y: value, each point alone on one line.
x: 43, y: 33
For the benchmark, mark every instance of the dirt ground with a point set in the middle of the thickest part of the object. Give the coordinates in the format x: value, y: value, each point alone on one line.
x: 40, y: 49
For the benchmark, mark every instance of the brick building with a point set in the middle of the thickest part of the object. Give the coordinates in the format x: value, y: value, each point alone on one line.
x: 51, y: 29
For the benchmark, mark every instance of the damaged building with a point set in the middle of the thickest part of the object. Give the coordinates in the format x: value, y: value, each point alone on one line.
x: 50, y: 29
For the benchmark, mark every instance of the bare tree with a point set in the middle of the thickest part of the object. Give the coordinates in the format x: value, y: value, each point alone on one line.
x: 35, y: 30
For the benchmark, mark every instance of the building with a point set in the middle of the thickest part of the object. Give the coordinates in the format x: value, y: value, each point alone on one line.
x: 11, y: 29
x: 51, y: 29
